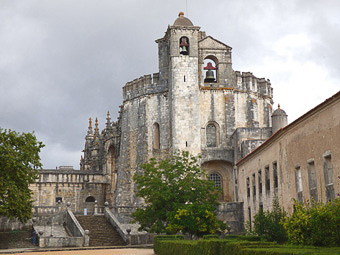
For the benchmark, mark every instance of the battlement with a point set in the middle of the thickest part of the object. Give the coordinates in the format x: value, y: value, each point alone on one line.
x: 143, y: 85
x: 247, y: 82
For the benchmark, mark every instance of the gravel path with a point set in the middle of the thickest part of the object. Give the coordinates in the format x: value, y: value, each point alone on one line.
x: 94, y: 252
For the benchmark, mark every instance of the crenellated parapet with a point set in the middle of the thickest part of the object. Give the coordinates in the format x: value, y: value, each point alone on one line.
x: 247, y: 82
x: 144, y: 85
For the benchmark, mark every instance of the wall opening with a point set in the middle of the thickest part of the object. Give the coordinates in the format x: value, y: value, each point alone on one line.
x: 210, y: 68
x: 312, y: 181
x: 184, y: 45
x: 90, y: 199
x: 275, y: 177
x: 156, y: 136
x: 328, y: 175
x: 298, y: 182
x: 260, y: 182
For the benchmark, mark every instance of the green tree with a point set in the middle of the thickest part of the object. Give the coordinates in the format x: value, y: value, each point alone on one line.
x: 19, y: 161
x: 269, y: 225
x: 178, y: 196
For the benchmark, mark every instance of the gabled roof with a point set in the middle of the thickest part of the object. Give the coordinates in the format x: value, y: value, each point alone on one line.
x: 210, y: 42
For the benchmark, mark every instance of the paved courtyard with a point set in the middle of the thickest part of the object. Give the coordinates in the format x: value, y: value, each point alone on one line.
x: 94, y: 252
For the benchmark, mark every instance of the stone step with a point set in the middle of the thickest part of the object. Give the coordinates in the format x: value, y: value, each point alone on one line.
x: 101, y: 231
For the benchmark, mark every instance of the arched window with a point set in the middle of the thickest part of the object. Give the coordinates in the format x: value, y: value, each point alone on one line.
x: 184, y: 46
x: 211, y: 135
x: 216, y: 178
x: 156, y: 136
x: 210, y: 68
x: 90, y: 199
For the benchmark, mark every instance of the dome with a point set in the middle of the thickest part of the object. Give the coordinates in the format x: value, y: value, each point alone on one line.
x: 279, y: 112
x: 183, y: 21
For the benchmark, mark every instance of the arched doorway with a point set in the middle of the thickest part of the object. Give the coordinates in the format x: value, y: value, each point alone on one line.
x: 89, y: 204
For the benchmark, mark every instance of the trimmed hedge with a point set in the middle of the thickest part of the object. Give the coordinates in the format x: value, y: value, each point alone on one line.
x: 157, y: 239
x: 164, y: 246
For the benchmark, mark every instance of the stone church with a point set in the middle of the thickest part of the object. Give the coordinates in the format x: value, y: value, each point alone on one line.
x: 195, y: 102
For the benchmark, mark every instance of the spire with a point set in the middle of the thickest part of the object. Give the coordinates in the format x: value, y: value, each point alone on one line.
x: 96, y: 130
x: 108, y: 119
x: 89, y: 131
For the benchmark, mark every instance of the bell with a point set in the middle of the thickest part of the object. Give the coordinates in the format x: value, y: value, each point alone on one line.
x: 209, y: 76
x: 184, y: 50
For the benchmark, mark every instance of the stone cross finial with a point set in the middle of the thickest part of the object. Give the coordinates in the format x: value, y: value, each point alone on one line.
x: 278, y: 106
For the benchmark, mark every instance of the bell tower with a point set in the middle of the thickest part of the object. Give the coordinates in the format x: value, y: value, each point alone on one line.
x: 178, y: 66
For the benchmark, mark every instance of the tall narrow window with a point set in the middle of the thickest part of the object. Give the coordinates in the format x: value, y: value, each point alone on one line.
x: 248, y: 187
x: 218, y: 182
x: 211, y: 135
x: 267, y: 176
x: 260, y: 182
x: 328, y: 173
x: 298, y: 181
x: 276, y: 181
x: 254, y: 186
x: 156, y: 136
x: 313, y: 191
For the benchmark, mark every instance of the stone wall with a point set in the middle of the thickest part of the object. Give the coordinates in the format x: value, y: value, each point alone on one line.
x: 71, y: 186
x: 232, y: 214
x: 301, y: 161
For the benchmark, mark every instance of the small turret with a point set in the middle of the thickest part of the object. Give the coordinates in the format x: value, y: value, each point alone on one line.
x: 279, y: 119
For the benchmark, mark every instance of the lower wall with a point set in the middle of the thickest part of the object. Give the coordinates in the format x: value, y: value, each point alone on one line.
x: 233, y: 215
x: 60, y: 242
x: 7, y: 225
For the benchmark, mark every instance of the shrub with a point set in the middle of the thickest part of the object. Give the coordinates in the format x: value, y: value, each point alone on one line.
x: 269, y: 225
x: 315, y: 224
x: 157, y: 239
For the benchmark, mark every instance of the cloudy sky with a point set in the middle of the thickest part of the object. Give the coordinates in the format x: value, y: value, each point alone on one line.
x: 64, y: 61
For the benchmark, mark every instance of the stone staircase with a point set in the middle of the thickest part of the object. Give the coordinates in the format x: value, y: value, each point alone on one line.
x: 101, y: 231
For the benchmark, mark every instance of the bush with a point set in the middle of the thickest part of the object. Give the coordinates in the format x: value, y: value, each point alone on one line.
x: 269, y: 225
x: 157, y: 239
x: 208, y: 237
x: 315, y: 224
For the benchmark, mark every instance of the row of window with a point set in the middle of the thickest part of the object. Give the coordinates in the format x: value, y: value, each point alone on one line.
x: 312, y: 180
x: 267, y: 184
x: 211, y: 135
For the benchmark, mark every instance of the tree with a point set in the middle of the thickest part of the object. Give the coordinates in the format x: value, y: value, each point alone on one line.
x: 178, y: 197
x: 269, y: 224
x: 19, y: 164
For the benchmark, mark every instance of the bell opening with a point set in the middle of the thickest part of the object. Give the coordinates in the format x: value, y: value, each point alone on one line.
x: 184, y: 45
x: 210, y: 74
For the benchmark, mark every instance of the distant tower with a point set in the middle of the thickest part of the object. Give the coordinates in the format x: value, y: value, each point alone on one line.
x: 279, y: 119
